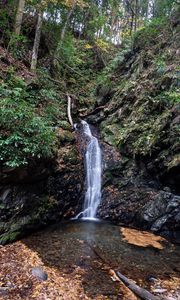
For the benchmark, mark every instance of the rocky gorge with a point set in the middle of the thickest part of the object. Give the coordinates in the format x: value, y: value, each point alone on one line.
x: 136, y: 115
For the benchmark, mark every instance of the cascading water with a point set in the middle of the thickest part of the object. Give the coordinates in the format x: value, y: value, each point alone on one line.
x: 93, y: 175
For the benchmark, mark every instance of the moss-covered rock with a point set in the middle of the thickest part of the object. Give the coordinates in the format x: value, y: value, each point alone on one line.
x: 142, y: 117
x: 140, y: 122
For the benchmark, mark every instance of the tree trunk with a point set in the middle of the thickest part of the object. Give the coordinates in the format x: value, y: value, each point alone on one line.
x: 36, y: 42
x: 19, y: 16
x: 136, y: 15
x: 67, y: 20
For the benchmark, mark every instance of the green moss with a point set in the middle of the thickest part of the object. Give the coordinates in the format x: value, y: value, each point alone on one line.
x: 9, y: 237
x: 171, y: 97
x: 64, y: 124
x: 70, y: 156
x: 174, y: 162
x: 66, y: 136
x: 141, y: 128
x: 111, y: 133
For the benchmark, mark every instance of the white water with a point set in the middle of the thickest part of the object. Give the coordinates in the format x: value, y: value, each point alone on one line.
x: 93, y: 176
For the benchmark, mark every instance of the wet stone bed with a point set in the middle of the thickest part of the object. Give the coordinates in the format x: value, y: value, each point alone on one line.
x: 78, y: 259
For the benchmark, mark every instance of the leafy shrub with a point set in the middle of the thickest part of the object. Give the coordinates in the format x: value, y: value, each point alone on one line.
x: 147, y: 35
x: 18, y: 44
x: 170, y: 97
x: 24, y: 133
x: 105, y: 76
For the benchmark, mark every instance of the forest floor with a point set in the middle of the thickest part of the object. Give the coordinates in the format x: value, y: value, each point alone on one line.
x: 75, y: 271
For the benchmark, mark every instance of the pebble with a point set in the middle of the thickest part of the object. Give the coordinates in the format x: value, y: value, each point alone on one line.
x: 151, y: 278
x: 3, y: 291
x: 39, y: 273
x: 160, y: 291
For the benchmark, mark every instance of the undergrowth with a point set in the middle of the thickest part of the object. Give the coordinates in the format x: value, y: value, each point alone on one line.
x: 26, y: 128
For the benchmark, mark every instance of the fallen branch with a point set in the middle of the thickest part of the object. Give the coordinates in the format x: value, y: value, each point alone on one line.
x: 70, y: 68
x: 93, y: 111
x: 69, y: 110
x: 137, y: 290
x: 55, y: 80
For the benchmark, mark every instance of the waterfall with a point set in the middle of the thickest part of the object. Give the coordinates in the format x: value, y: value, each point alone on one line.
x: 93, y: 175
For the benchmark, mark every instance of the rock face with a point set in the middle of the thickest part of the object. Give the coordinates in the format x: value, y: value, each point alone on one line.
x: 133, y: 197
x: 139, y: 127
x: 44, y: 193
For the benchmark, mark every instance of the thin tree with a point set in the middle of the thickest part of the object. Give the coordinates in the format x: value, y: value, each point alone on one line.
x: 36, y: 41
x: 19, y: 16
x: 67, y: 20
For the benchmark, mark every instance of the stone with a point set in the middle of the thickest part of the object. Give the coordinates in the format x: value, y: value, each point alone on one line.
x: 3, y: 291
x: 39, y: 273
x: 167, y: 189
x: 151, y: 278
x: 160, y: 291
x: 158, y: 224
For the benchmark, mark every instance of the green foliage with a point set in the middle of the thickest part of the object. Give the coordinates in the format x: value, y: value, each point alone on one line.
x: 8, y: 237
x: 147, y: 35
x: 18, y: 45
x: 7, y: 14
x: 28, y: 113
x: 141, y: 130
x: 104, y: 77
x: 24, y: 133
x: 170, y: 97
x: 76, y: 54
x: 161, y: 66
x: 163, y: 8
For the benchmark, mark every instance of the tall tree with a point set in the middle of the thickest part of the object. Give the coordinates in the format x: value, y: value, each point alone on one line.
x: 19, y: 16
x: 36, y: 41
x: 67, y: 20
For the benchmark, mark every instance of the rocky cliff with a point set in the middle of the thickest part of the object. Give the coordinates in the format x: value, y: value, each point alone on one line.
x: 40, y: 194
x: 139, y: 125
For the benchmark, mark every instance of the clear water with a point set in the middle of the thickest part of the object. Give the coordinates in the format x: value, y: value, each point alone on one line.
x: 93, y: 176
x: 69, y: 247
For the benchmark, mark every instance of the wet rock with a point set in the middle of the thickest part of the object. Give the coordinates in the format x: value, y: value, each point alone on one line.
x: 39, y: 273
x: 40, y: 200
x: 161, y: 212
x: 176, y: 120
x: 103, y: 94
x: 167, y: 189
x: 143, y: 208
x: 36, y: 171
x: 159, y: 223
x: 131, y: 196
